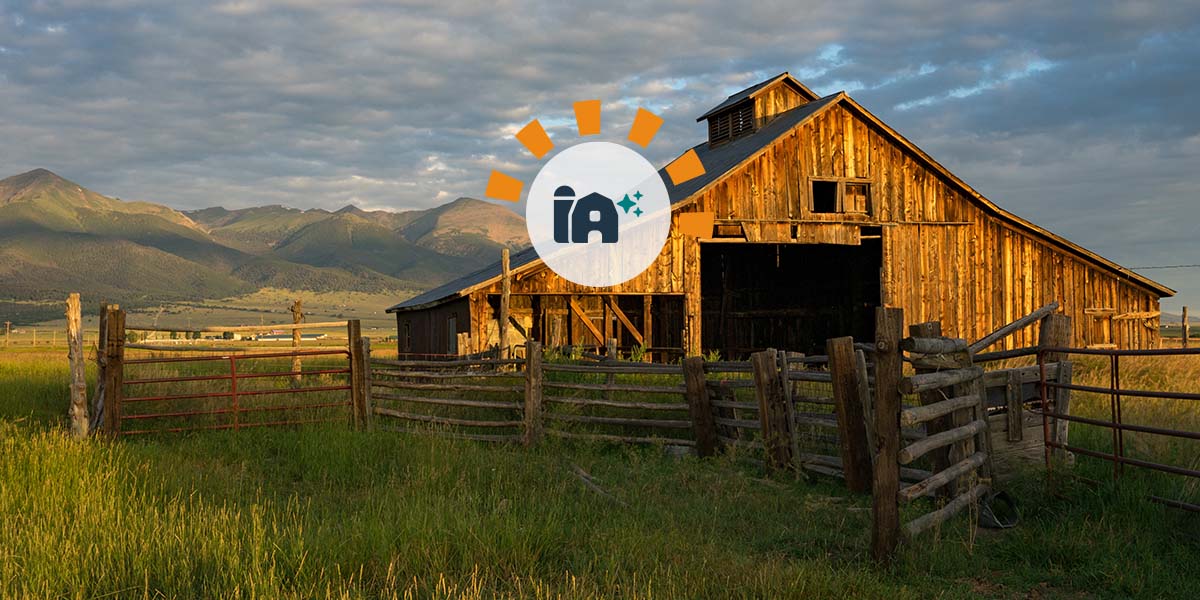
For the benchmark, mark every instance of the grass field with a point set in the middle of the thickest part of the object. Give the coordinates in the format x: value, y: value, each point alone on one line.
x: 327, y: 512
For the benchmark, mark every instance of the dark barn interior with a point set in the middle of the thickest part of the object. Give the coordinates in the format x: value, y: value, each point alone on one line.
x: 792, y: 296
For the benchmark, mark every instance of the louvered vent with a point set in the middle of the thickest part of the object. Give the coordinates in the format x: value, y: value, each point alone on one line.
x: 727, y: 125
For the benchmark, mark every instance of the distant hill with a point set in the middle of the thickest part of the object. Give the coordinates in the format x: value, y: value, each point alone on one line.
x: 57, y: 236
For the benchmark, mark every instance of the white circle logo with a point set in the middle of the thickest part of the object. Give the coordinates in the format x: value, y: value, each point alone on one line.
x: 598, y: 214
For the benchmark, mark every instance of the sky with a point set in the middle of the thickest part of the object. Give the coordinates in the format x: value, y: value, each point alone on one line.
x: 1077, y: 115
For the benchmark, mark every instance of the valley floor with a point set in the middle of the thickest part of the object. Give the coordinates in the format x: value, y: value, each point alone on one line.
x: 341, y: 514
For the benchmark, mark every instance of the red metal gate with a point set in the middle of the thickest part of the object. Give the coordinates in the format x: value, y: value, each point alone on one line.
x: 249, y: 386
x: 1116, y: 421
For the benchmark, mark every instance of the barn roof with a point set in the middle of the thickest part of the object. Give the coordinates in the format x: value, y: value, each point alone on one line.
x: 724, y: 158
x: 753, y: 91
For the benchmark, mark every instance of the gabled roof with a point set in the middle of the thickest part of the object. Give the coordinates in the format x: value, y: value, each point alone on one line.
x: 726, y: 158
x: 758, y: 88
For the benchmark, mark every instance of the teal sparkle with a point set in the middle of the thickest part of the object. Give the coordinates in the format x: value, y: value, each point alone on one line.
x: 637, y: 212
x: 637, y: 195
x: 626, y: 203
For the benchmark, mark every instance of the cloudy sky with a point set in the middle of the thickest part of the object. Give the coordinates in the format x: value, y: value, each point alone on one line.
x: 1077, y: 115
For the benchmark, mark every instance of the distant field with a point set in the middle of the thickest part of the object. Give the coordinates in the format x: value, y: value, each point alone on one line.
x: 268, y: 305
x: 328, y: 512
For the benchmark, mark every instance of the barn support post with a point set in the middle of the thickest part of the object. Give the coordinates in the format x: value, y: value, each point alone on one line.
x: 114, y: 367
x: 772, y: 409
x: 885, y: 510
x: 505, y: 293
x: 647, y: 326
x: 851, y: 421
x: 533, y: 392
x: 79, y: 409
x: 699, y: 406
x: 358, y: 364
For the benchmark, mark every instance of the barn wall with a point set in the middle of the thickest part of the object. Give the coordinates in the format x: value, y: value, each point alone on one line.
x: 430, y: 328
x: 944, y: 257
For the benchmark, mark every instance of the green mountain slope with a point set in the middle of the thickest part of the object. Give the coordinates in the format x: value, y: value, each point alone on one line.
x: 57, y: 236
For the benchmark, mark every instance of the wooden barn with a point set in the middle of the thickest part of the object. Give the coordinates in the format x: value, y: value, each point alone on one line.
x: 822, y: 213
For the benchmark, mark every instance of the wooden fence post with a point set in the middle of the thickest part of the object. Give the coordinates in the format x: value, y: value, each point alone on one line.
x: 1056, y: 332
x: 852, y: 432
x: 297, y: 311
x: 505, y: 292
x: 885, y: 511
x: 533, y: 392
x: 114, y: 368
x: 358, y: 364
x: 368, y: 404
x: 772, y: 409
x: 79, y: 407
x: 1186, y: 326
x: 699, y: 406
x: 610, y: 353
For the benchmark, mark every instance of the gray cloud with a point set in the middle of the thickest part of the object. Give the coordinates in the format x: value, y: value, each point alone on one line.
x: 1077, y: 115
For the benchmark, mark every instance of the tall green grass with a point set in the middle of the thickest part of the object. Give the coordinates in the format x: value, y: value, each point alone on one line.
x: 328, y: 512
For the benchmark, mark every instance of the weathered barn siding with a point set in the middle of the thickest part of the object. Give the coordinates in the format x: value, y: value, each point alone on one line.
x: 945, y: 258
x: 431, y: 331
x: 947, y: 253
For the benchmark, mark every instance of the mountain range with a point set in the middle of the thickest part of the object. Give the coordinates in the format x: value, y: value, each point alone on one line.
x: 58, y: 237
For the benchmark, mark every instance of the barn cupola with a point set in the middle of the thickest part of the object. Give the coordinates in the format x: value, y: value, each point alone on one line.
x: 744, y: 112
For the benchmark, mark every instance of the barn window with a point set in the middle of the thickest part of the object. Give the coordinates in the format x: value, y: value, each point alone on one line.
x: 824, y: 196
x: 452, y: 333
x: 857, y: 198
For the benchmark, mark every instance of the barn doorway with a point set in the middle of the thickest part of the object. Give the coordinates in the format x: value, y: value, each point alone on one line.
x: 787, y: 296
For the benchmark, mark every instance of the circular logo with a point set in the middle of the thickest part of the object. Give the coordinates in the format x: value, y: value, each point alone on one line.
x: 598, y: 214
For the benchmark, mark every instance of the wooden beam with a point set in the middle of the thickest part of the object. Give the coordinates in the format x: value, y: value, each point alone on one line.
x: 587, y: 322
x: 612, y: 303
x: 852, y: 433
x: 1013, y: 327
x: 79, y: 409
x: 885, y: 510
x: 505, y: 292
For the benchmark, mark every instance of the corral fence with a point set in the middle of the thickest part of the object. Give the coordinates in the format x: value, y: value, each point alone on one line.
x: 148, y: 389
x: 1119, y: 400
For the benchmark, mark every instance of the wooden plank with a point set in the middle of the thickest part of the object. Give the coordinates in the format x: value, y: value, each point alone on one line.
x: 629, y: 439
x: 78, y: 411
x: 885, y: 511
x: 922, y: 447
x: 439, y: 420
x: 533, y: 393
x: 933, y: 345
x: 937, y: 517
x: 618, y: 387
x: 500, y: 405
x: 1013, y: 327
x: 611, y: 301
x: 243, y: 328
x: 931, y: 330
x: 505, y: 294
x: 358, y: 365
x: 623, y: 421
x: 852, y: 433
x: 448, y: 387
x: 939, y: 480
x: 1014, y: 406
x: 772, y: 412
x: 921, y: 414
x: 365, y: 374
x: 699, y: 407
x: 666, y: 406
x: 587, y: 322
x: 923, y: 382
